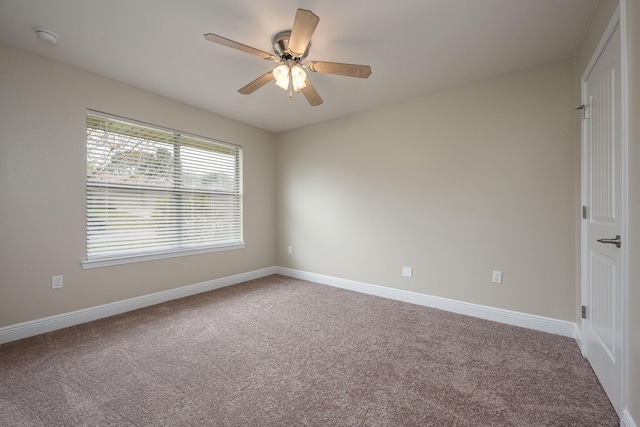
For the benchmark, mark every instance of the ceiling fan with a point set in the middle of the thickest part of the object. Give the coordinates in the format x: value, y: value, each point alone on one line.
x: 291, y: 47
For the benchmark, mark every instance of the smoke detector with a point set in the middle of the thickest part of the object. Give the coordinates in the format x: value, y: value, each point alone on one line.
x: 47, y: 36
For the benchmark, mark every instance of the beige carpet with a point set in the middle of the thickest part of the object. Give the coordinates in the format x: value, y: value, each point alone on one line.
x: 283, y: 352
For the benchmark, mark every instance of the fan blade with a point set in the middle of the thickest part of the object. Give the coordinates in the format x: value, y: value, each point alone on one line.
x: 257, y: 83
x: 304, y: 25
x: 349, y: 70
x: 311, y: 94
x: 239, y: 46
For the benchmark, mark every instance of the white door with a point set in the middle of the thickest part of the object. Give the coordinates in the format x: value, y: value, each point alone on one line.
x: 602, y: 248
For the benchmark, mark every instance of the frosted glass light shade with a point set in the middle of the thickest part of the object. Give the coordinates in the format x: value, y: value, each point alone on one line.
x: 281, y: 74
x: 298, y: 77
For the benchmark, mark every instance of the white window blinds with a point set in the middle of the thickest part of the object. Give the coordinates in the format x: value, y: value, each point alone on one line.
x: 155, y: 191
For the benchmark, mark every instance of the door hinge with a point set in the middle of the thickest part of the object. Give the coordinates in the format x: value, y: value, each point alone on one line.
x: 584, y: 212
x: 584, y: 312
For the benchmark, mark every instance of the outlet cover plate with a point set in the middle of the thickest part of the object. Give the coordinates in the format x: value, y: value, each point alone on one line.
x: 56, y: 282
x: 497, y: 277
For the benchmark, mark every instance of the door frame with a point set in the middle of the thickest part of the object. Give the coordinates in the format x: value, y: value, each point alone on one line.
x: 617, y: 19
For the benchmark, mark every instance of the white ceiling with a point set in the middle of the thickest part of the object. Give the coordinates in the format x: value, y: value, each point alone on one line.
x: 412, y: 46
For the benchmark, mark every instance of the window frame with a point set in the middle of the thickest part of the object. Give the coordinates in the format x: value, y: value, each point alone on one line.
x: 158, y: 252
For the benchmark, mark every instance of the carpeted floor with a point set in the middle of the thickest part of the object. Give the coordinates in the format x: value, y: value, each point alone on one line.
x: 283, y: 352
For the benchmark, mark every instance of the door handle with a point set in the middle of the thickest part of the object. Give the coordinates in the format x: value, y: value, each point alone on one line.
x: 615, y: 241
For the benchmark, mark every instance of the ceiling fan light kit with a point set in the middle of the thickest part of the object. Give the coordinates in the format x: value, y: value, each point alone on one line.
x: 291, y: 47
x: 290, y: 77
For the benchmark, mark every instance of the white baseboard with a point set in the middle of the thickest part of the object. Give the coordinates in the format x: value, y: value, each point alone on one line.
x: 626, y: 420
x: 52, y: 323
x: 530, y: 321
x: 577, y: 335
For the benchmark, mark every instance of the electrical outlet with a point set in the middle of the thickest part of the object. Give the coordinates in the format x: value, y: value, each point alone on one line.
x: 497, y: 277
x: 290, y: 249
x: 56, y: 282
x: 407, y: 272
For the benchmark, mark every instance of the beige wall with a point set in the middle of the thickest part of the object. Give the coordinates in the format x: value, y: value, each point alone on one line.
x: 42, y: 193
x: 633, y: 40
x: 455, y: 184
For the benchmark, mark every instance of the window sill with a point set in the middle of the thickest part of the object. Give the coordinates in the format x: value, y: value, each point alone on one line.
x: 106, y: 262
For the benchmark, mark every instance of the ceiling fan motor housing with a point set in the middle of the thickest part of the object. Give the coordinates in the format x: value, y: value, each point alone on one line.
x: 281, y: 46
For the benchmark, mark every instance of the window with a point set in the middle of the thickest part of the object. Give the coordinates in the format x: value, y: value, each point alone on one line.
x: 153, y: 192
